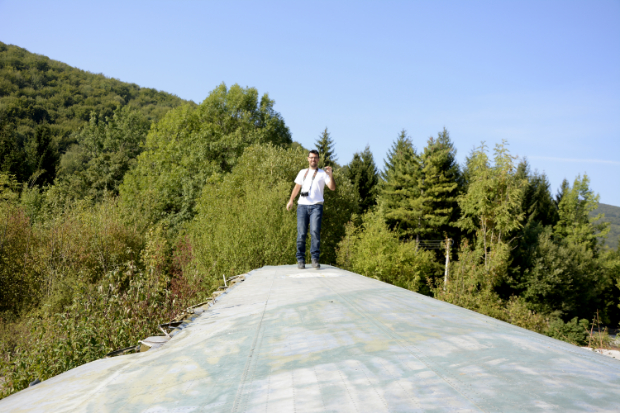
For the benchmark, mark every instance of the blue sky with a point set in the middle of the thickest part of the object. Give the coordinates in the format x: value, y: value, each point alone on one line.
x: 543, y: 75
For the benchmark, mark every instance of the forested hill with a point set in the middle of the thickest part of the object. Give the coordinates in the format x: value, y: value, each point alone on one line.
x: 612, y: 215
x: 44, y: 104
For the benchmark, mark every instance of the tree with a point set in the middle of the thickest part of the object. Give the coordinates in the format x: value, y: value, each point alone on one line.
x: 492, y: 206
x: 362, y: 172
x: 190, y: 144
x: 439, y: 187
x: 325, y: 146
x: 36, y: 92
x: 402, y: 143
x: 575, y: 224
x: 563, y: 189
x: 540, y: 211
x: 106, y: 151
x: 420, y: 190
x: 12, y: 156
x: 42, y: 156
x: 566, y: 278
x: 373, y: 250
x: 400, y: 192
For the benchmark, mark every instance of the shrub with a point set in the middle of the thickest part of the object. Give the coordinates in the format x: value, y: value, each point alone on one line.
x: 124, y: 306
x: 373, y: 250
x: 574, y: 331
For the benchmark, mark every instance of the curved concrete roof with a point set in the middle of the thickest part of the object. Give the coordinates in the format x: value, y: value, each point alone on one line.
x: 288, y: 340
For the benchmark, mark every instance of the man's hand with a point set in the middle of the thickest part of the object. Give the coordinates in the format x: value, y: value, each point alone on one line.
x: 295, y: 192
x: 330, y: 173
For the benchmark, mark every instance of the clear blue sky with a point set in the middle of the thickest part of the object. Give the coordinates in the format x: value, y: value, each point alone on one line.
x: 544, y: 75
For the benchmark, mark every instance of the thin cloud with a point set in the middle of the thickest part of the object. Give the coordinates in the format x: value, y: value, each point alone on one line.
x: 574, y: 160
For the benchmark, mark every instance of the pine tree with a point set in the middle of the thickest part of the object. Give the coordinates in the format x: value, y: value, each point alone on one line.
x: 439, y: 187
x: 402, y: 143
x: 362, y: 172
x: 540, y: 212
x: 538, y: 203
x: 325, y: 146
x: 564, y: 188
x: 400, y: 192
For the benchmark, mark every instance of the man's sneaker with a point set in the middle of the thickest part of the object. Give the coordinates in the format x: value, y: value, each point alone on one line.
x: 301, y: 265
x: 315, y: 264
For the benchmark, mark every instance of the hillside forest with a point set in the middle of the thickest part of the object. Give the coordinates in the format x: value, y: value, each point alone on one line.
x: 121, y: 206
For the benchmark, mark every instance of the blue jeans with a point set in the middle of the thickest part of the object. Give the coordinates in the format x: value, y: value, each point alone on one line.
x: 309, y: 214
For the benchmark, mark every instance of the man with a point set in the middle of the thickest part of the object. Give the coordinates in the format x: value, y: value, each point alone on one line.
x: 311, y: 183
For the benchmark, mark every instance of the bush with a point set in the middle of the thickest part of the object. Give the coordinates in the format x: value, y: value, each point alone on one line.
x: 123, y: 307
x: 373, y: 250
x: 574, y: 331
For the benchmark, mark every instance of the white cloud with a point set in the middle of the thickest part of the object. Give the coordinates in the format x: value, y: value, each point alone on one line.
x: 575, y: 160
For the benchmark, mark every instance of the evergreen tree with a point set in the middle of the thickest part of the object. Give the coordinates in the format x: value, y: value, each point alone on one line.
x: 402, y: 143
x: 325, y: 146
x: 400, y: 193
x: 439, y: 187
x: 538, y: 203
x: 540, y: 212
x: 563, y: 189
x: 362, y: 172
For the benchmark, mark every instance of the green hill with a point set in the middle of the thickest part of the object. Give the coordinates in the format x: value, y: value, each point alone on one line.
x: 612, y: 215
x: 44, y: 103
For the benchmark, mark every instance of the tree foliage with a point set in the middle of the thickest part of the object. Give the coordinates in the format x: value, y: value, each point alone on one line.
x: 399, y: 194
x: 439, y: 187
x: 192, y: 143
x: 325, y: 146
x: 44, y: 104
x: 106, y: 151
x: 362, y: 173
x: 373, y: 250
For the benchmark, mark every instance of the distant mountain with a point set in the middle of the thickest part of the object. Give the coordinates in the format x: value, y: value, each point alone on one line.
x: 612, y: 215
x: 44, y: 103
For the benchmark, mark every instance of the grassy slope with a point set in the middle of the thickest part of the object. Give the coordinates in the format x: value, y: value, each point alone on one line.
x: 612, y: 215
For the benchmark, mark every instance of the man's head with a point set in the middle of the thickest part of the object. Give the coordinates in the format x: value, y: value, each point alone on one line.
x: 313, y: 158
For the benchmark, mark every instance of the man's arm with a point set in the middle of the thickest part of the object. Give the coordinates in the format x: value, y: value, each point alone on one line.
x: 293, y: 195
x: 332, y: 182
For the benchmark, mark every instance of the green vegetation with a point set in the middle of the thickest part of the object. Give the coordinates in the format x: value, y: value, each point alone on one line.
x: 325, y: 146
x: 191, y: 143
x: 522, y: 257
x: 45, y: 103
x: 242, y: 224
x: 612, y: 216
x: 362, y: 173
x: 121, y: 206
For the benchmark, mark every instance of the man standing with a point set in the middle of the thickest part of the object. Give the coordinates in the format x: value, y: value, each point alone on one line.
x: 311, y: 183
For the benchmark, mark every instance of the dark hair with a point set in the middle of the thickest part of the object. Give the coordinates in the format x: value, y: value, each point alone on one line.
x: 314, y: 151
